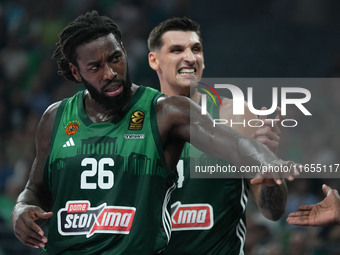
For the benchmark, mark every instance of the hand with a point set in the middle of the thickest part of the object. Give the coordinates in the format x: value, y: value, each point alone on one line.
x: 26, y: 229
x: 283, y: 170
x: 266, y: 181
x: 269, y: 133
x: 323, y: 213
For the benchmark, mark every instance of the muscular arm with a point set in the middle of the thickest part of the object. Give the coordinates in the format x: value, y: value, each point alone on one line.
x: 179, y: 119
x: 269, y: 196
x: 35, y: 199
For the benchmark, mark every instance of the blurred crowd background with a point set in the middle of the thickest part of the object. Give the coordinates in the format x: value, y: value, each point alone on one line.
x: 247, y: 38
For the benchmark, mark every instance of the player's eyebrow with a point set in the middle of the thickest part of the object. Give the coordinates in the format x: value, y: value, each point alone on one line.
x: 93, y: 63
x: 179, y: 46
x: 176, y: 46
x: 111, y: 56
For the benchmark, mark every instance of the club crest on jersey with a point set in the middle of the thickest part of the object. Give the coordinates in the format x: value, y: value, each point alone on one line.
x: 191, y: 216
x: 72, y: 127
x: 136, y: 120
x: 79, y: 218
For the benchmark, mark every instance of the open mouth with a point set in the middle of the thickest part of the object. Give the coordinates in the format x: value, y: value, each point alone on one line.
x: 113, y: 89
x: 187, y: 71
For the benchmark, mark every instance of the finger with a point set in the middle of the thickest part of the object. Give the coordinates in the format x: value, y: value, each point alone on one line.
x: 45, y: 215
x: 267, y: 132
x: 287, y: 171
x: 32, y: 231
x: 290, y: 178
x: 274, y: 124
x: 277, y: 177
x: 278, y: 181
x: 34, y: 242
x: 295, y: 168
x: 305, y: 208
x: 33, y: 226
x: 326, y: 189
x: 28, y: 243
x: 292, y: 172
x: 266, y: 181
x: 336, y: 193
x: 28, y: 232
x: 257, y: 180
x: 299, y: 214
x: 29, y: 237
x: 278, y: 114
x: 329, y: 191
x: 300, y: 221
x: 263, y: 117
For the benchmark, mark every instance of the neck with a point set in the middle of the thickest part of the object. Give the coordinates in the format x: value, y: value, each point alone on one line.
x: 98, y: 113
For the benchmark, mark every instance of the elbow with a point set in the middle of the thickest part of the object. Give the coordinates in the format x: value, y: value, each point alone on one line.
x: 272, y: 202
x: 273, y: 215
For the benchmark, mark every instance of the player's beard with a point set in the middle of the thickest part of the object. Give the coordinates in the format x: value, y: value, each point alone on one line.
x: 118, y: 102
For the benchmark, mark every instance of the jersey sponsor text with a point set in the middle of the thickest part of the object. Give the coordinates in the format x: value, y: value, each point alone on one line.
x: 79, y: 218
x: 191, y: 216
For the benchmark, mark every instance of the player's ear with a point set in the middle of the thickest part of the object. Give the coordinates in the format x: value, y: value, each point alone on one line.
x: 203, y: 61
x: 153, y: 61
x: 75, y: 72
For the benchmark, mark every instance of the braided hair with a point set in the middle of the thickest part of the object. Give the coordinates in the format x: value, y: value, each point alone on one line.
x: 82, y: 30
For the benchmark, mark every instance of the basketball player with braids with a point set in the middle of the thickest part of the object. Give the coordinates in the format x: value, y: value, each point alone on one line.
x: 176, y: 54
x: 106, y: 157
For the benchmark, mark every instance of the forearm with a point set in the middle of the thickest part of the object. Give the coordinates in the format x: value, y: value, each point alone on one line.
x: 217, y: 140
x: 272, y: 201
x: 225, y: 143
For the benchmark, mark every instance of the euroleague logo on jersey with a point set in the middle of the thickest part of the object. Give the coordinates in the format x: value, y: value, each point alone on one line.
x: 191, y: 216
x: 79, y: 218
x: 72, y: 127
x: 136, y: 120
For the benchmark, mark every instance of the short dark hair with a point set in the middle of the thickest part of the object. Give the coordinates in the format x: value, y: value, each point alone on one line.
x: 83, y: 29
x: 173, y: 24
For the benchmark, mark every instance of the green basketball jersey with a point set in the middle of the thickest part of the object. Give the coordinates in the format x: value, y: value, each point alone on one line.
x: 208, y: 215
x: 109, y: 181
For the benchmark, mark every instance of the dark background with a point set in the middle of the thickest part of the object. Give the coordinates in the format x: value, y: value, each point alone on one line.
x: 241, y: 39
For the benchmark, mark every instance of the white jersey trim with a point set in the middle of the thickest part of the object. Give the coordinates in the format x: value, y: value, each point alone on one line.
x: 241, y: 228
x: 166, y: 218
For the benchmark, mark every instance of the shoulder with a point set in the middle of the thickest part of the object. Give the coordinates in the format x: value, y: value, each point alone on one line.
x: 173, y: 110
x: 50, y: 112
x: 45, y: 127
x: 174, y: 102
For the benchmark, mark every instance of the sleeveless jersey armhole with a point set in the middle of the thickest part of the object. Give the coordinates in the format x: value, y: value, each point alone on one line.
x: 46, y: 174
x: 155, y: 130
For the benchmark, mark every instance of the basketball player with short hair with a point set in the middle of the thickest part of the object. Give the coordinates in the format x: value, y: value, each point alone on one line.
x: 176, y: 54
